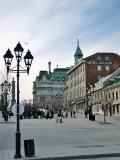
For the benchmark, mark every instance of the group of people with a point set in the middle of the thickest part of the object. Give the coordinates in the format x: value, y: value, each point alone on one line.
x: 73, y: 114
x: 48, y: 113
x: 41, y: 113
x: 64, y: 114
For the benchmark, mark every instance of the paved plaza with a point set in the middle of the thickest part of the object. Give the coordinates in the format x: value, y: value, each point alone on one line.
x: 73, y: 138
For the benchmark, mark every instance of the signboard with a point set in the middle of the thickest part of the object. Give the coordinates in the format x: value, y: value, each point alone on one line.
x: 99, y: 62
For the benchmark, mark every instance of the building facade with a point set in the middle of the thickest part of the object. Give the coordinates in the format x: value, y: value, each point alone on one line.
x: 86, y: 72
x: 48, y: 89
x: 107, y: 95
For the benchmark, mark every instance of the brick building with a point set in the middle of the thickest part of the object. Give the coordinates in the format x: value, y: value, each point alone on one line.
x: 100, y: 65
x: 86, y: 71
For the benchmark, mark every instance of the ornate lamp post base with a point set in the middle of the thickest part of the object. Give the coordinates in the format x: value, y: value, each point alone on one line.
x: 18, y: 145
x: 18, y: 156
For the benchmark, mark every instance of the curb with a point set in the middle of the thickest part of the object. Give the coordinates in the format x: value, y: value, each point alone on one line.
x: 107, y: 155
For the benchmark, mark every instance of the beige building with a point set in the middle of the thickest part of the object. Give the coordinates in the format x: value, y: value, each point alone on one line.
x: 74, y: 91
x: 107, y: 94
x: 75, y: 87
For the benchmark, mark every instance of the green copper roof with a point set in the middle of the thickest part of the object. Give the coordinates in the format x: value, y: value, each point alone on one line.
x: 59, y: 74
x: 78, y: 52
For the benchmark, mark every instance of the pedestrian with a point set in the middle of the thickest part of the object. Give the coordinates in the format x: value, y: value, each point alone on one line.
x: 6, y: 116
x: 86, y: 113
x: 52, y: 113
x: 66, y: 114
x: 47, y: 116
x: 74, y: 114
x: 59, y: 117
x: 71, y: 114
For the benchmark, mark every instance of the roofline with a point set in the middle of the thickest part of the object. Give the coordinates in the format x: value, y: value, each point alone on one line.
x: 101, y: 53
x: 82, y: 61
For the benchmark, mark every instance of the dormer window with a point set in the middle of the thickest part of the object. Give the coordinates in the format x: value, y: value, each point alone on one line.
x: 99, y: 57
x: 44, y: 78
x: 106, y: 58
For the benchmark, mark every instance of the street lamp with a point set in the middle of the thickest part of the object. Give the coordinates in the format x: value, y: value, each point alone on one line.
x: 28, y: 61
x: 5, y: 88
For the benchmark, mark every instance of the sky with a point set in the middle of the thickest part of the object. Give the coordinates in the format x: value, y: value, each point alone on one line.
x: 50, y: 29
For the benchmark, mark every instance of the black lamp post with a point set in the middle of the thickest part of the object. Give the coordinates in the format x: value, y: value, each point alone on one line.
x: 28, y: 61
x: 5, y: 88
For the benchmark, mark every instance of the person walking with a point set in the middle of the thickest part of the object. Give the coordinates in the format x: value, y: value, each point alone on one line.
x: 74, y: 114
x: 71, y: 114
x: 86, y: 113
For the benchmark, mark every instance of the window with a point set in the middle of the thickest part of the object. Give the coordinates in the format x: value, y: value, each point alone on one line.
x: 78, y: 81
x: 99, y: 68
x: 82, y: 68
x: 101, y: 95
x: 113, y: 109
x: 98, y: 96
x: 99, y: 77
x: 71, y: 77
x: 77, y: 93
x: 113, y: 95
x: 75, y: 83
x: 74, y: 93
x: 80, y: 91
x: 58, y: 78
x: 44, y: 78
x: 83, y: 78
x: 109, y: 96
x: 98, y: 57
x: 74, y: 73
x: 116, y: 94
x: 107, y: 68
x: 106, y: 58
x: 117, y: 109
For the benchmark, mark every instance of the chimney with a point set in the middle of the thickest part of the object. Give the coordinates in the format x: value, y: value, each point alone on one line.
x: 49, y: 67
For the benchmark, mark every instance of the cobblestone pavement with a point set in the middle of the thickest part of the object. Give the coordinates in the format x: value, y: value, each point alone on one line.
x: 115, y: 158
x: 73, y: 137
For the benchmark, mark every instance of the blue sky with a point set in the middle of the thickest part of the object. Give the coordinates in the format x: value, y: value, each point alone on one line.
x: 51, y: 29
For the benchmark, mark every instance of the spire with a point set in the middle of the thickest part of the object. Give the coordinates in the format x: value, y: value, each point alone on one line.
x: 78, y: 53
x: 77, y: 42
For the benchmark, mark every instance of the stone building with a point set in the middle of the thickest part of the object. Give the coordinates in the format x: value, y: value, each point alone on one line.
x: 48, y: 88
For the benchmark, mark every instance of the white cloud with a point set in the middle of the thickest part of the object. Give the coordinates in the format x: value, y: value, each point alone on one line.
x: 51, y: 28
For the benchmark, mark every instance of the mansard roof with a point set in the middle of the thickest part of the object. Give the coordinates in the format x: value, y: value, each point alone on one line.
x: 59, y: 74
x: 43, y: 73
